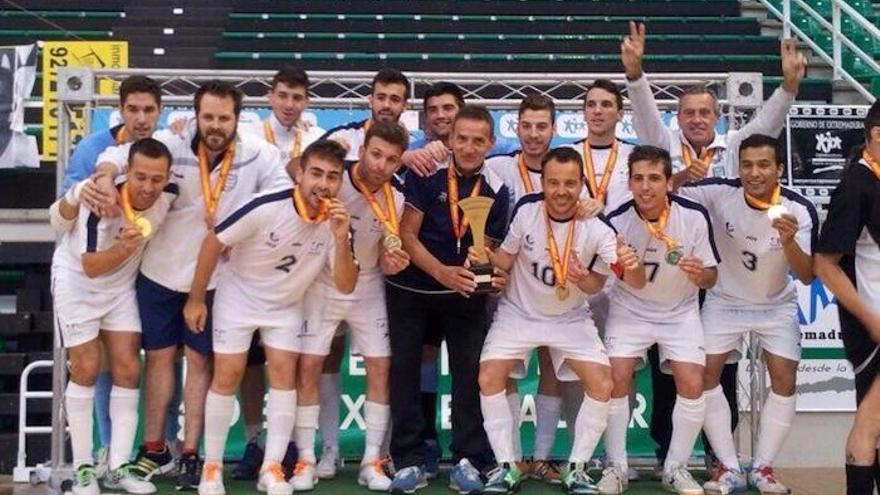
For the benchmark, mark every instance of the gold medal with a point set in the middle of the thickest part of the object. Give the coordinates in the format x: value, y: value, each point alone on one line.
x: 673, y: 256
x: 673, y: 253
x: 776, y: 211
x: 392, y: 242
x: 559, y: 263
x: 143, y: 226
x: 562, y: 292
x: 388, y: 217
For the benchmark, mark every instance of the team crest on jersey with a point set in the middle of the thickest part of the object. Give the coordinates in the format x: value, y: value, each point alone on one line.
x: 442, y: 197
x: 728, y: 227
x: 316, y: 247
x: 273, y: 240
x: 231, y: 181
x: 529, y: 242
x: 774, y: 243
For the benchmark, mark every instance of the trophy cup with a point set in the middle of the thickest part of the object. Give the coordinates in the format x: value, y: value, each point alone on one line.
x: 476, y: 210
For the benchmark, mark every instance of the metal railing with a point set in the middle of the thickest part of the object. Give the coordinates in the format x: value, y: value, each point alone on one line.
x: 22, y: 473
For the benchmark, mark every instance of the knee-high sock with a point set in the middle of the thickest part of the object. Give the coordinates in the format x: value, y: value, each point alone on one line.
x: 124, y: 418
x: 548, y: 409
x: 687, y: 419
x: 103, y: 387
x: 218, y: 415
x: 516, y: 413
x: 328, y: 393
x: 280, y: 417
x: 615, y: 432
x: 376, y: 419
x: 498, y: 423
x: 591, y: 421
x: 717, y: 427
x: 79, y: 402
x: 776, y: 420
x: 306, y: 423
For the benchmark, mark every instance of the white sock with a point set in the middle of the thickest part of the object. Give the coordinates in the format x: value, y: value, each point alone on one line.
x: 572, y: 395
x: 548, y: 409
x: 498, y: 423
x: 615, y: 432
x: 218, y: 415
x: 717, y: 427
x: 306, y: 424
x: 79, y: 402
x: 591, y: 422
x: 687, y: 420
x: 376, y: 418
x: 123, y: 424
x: 776, y: 420
x: 328, y: 392
x: 516, y: 412
x: 280, y: 416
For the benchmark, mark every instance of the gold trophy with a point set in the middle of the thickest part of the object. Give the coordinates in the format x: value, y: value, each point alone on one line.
x: 476, y: 210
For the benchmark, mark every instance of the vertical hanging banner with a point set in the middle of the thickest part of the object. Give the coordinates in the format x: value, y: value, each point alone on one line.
x: 17, y: 73
x: 95, y: 54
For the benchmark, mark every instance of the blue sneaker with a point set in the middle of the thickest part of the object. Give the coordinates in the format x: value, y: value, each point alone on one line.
x: 432, y: 458
x: 408, y: 480
x: 249, y: 466
x: 464, y: 478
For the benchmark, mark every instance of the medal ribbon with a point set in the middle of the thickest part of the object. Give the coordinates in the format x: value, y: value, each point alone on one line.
x: 295, y: 146
x: 656, y: 228
x: 872, y: 162
x: 211, y: 195
x: 705, y: 157
x: 763, y: 205
x: 387, y: 218
x: 524, y: 174
x: 125, y: 199
x: 560, y: 266
x: 459, y: 226
x: 120, y: 136
x: 303, y: 211
x: 590, y: 173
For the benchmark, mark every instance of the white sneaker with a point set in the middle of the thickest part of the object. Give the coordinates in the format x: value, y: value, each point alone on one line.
x: 372, y: 475
x: 85, y: 481
x: 212, y: 479
x: 272, y: 480
x: 305, y: 476
x: 128, y: 478
x: 725, y: 481
x: 679, y: 480
x: 613, y: 481
x: 329, y: 464
x: 764, y: 480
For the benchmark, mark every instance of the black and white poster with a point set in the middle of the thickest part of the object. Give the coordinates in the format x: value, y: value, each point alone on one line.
x: 17, y: 74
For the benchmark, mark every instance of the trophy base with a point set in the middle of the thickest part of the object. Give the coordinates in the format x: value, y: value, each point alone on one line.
x: 483, y: 277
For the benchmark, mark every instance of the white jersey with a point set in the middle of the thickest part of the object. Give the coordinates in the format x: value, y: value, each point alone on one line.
x: 651, y: 130
x: 92, y: 234
x: 669, y: 294
x: 275, y: 254
x: 367, y: 235
x: 618, y: 186
x: 256, y: 167
x: 284, y: 137
x: 531, y: 288
x: 755, y: 272
x: 353, y: 134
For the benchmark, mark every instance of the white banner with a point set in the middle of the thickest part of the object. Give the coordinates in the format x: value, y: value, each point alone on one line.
x: 17, y: 73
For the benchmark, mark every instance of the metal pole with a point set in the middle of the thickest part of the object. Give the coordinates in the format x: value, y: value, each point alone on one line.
x: 835, y: 40
x: 786, y: 18
x: 755, y: 391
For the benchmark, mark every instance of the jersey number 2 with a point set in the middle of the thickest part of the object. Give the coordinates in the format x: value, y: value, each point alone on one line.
x: 286, y: 263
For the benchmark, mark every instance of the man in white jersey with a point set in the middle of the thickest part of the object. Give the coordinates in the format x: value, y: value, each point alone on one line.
x: 555, y: 259
x: 279, y: 243
x: 291, y: 134
x: 216, y: 170
x: 93, y: 273
x: 673, y: 237
x: 696, y: 150
x: 374, y: 196
x: 763, y: 231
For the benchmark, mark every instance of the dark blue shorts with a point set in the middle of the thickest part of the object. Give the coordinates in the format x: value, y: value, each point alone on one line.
x: 162, y: 323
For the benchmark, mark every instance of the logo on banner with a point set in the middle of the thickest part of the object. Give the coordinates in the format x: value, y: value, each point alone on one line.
x: 826, y: 143
x: 507, y: 125
x: 571, y: 125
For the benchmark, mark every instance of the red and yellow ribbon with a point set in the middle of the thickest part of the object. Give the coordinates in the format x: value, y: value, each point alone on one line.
x: 590, y: 172
x: 211, y: 194
x: 387, y: 218
x: 524, y: 174
x: 559, y: 264
x: 705, y: 157
x: 764, y: 205
x: 872, y: 162
x: 459, y: 225
x: 295, y: 146
x: 303, y: 211
x: 656, y: 228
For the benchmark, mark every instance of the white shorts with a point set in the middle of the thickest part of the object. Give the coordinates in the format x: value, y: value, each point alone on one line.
x: 513, y: 336
x: 234, y: 325
x: 365, y: 318
x: 680, y: 340
x: 82, y: 314
x: 726, y: 329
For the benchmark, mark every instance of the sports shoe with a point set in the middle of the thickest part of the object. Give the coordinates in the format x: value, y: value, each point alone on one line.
x: 272, y: 480
x: 432, y: 458
x: 85, y: 481
x: 613, y: 481
x: 329, y: 464
x: 679, y: 480
x: 212, y: 479
x: 503, y: 479
x: 546, y: 471
x: 150, y: 463
x: 289, y: 461
x: 576, y: 480
x: 249, y: 466
x: 464, y: 478
x: 408, y: 480
x: 189, y: 472
x: 373, y: 476
x: 724, y: 481
x: 127, y: 477
x: 764, y: 480
x: 305, y: 476
x: 175, y: 446
x: 632, y: 474
x: 102, y: 461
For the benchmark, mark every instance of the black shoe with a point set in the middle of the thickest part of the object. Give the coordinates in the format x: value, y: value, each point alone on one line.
x: 249, y: 466
x: 189, y: 470
x: 149, y: 463
x: 290, y: 458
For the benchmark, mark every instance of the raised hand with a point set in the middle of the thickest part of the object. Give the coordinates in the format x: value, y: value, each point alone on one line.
x: 794, y: 65
x: 632, y: 49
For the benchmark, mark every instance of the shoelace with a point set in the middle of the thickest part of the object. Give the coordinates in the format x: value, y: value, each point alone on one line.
x: 718, y: 472
x: 275, y: 470
x: 85, y: 476
x: 766, y: 472
x: 300, y: 466
x: 379, y: 465
x: 211, y: 471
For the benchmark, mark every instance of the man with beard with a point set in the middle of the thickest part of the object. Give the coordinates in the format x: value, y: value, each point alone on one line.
x: 216, y: 170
